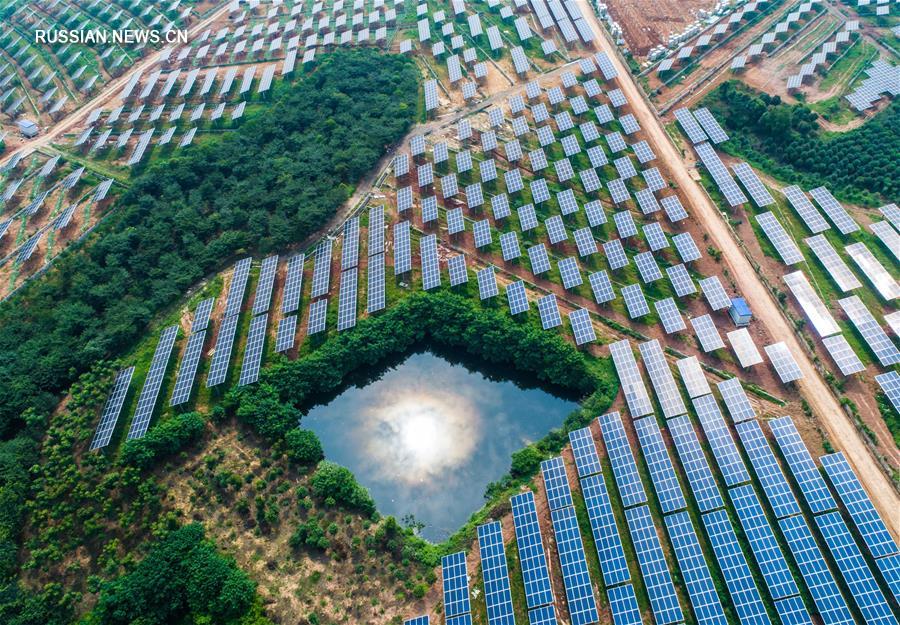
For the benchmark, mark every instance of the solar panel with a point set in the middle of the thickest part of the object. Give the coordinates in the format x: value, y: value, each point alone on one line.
x: 487, y: 283
x: 500, y: 206
x: 402, y: 248
x: 449, y: 185
x: 661, y: 378
x: 875, y: 337
x: 455, y: 223
x: 576, y: 577
x: 153, y: 382
x: 699, y: 475
x: 853, y: 568
x: 112, y: 408
x: 694, y: 570
x: 647, y: 267
x: 532, y: 558
x: 791, y: 611
x: 539, y: 191
x: 375, y: 295
x: 890, y: 570
x: 710, y: 125
x: 655, y: 236
x: 738, y: 579
x: 690, y: 126
x: 801, y: 464
x: 585, y: 452
x: 669, y: 315
x: 763, y: 545
x: 253, y: 350
x: 758, y: 192
x: 681, y: 280
x: 236, y: 289
x: 736, y: 401
x: 744, y: 347
x: 201, y: 315
x: 556, y: 230
x: 431, y: 274
x: 715, y: 293
x: 654, y: 570
x: 625, y: 224
x: 482, y: 231
x: 187, y: 369
x: 812, y: 305
x: 347, y: 300
x: 585, y: 242
x: 686, y: 247
x: 819, y: 580
x: 567, y: 203
x: 625, y: 168
x: 590, y: 180
x: 836, y: 213
x: 218, y: 367
x: 544, y: 615
x: 767, y: 469
x: 662, y: 473
x: 527, y: 217
x: 618, y: 450
x: 888, y: 236
x: 673, y: 207
x: 597, y: 156
x: 692, y: 376
x: 322, y: 269
x: 549, y: 311
x: 843, y: 355
x: 636, y: 396
x: 540, y: 262
x: 419, y: 620
x: 881, y: 278
x: 455, y: 584
x: 635, y: 301
x: 864, y: 515
x: 318, y: 312
x: 284, y: 336
x: 494, y: 571
x: 582, y: 327
x: 784, y: 363
x: 778, y: 236
x: 726, y: 184
x: 263, y: 297
x: 604, y: 530
x: 707, y: 334
x: 601, y: 287
x: 615, y: 254
x: 616, y: 142
x: 724, y: 450
x: 568, y: 270
x: 618, y: 191
x: 624, y: 606
x: 518, y: 300
x: 805, y: 209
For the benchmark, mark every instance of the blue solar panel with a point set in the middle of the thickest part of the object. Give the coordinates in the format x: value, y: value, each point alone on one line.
x: 856, y: 573
x: 419, y: 620
x: 890, y: 570
x: 725, y: 451
x: 631, y: 490
x: 763, y: 544
x: 695, y: 464
x: 770, y: 475
x: 654, y: 570
x: 624, y: 606
x: 113, y: 407
x: 544, y: 615
x: 605, y: 531
x: 456, y: 584
x: 576, y: 578
x: 559, y: 495
x: 741, y: 587
x: 665, y: 480
x: 585, y: 452
x: 532, y: 558
x: 694, y: 570
x: 497, y: 596
x: 866, y: 519
x: 187, y: 369
x: 152, y: 383
x: 236, y: 289
x: 462, y: 619
x: 802, y: 466
x: 819, y: 580
x: 791, y: 611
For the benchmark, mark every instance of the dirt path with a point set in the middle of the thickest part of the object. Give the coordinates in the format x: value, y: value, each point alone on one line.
x: 113, y: 87
x: 824, y: 404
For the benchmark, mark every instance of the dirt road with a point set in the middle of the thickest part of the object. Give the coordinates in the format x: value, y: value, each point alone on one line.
x: 110, y: 91
x: 824, y: 404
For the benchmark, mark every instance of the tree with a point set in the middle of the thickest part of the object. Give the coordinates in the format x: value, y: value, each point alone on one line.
x: 303, y: 447
x: 332, y: 481
x: 526, y: 462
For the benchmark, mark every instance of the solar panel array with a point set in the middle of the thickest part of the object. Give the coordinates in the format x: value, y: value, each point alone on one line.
x: 813, y: 306
x: 778, y: 236
x: 636, y: 396
x: 601, y: 286
x: 694, y: 570
x: 455, y: 584
x: 736, y: 401
x: 699, y: 475
x: 253, y: 350
x: 284, y: 335
x: 238, y: 284
x: 624, y: 606
x: 549, y: 311
x: 873, y: 334
x: 263, y: 298
x: 836, y: 213
x: 318, y: 312
x: 661, y: 378
x: 375, y: 289
x: 532, y: 558
x: 494, y: 571
x: 218, y: 367
x: 692, y: 376
x: 153, y: 382
x: 604, y: 530
x: 757, y: 190
x: 293, y: 284
x: 662, y: 473
x: 843, y: 355
x: 187, y: 369
x: 771, y: 477
x: 686, y: 247
x: 347, y: 300
x: 715, y: 293
x: 707, y: 333
x: 819, y: 580
x: 322, y: 269
x: 576, y: 577
x: 112, y: 409
x: 669, y: 315
x: 791, y: 611
x: 802, y: 465
x: 719, y: 438
x: 883, y: 281
x: 635, y: 302
x: 517, y: 298
x: 783, y: 361
x: 726, y: 184
x: 805, y: 209
x: 618, y: 450
x: 654, y: 570
x: 681, y: 280
x: 582, y: 327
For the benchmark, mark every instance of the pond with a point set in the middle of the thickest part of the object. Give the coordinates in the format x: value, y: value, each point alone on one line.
x: 429, y: 435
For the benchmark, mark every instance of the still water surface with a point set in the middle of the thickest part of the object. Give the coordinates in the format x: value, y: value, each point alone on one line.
x: 428, y: 436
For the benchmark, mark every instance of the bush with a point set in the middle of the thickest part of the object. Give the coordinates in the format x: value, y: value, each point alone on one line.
x: 164, y: 440
x: 526, y: 462
x: 337, y: 483
x: 304, y: 447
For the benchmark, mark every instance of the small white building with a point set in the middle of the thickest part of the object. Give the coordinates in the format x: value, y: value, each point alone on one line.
x: 28, y: 128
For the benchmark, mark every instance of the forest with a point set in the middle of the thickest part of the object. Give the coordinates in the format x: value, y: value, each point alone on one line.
x: 861, y: 166
x: 274, y: 181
